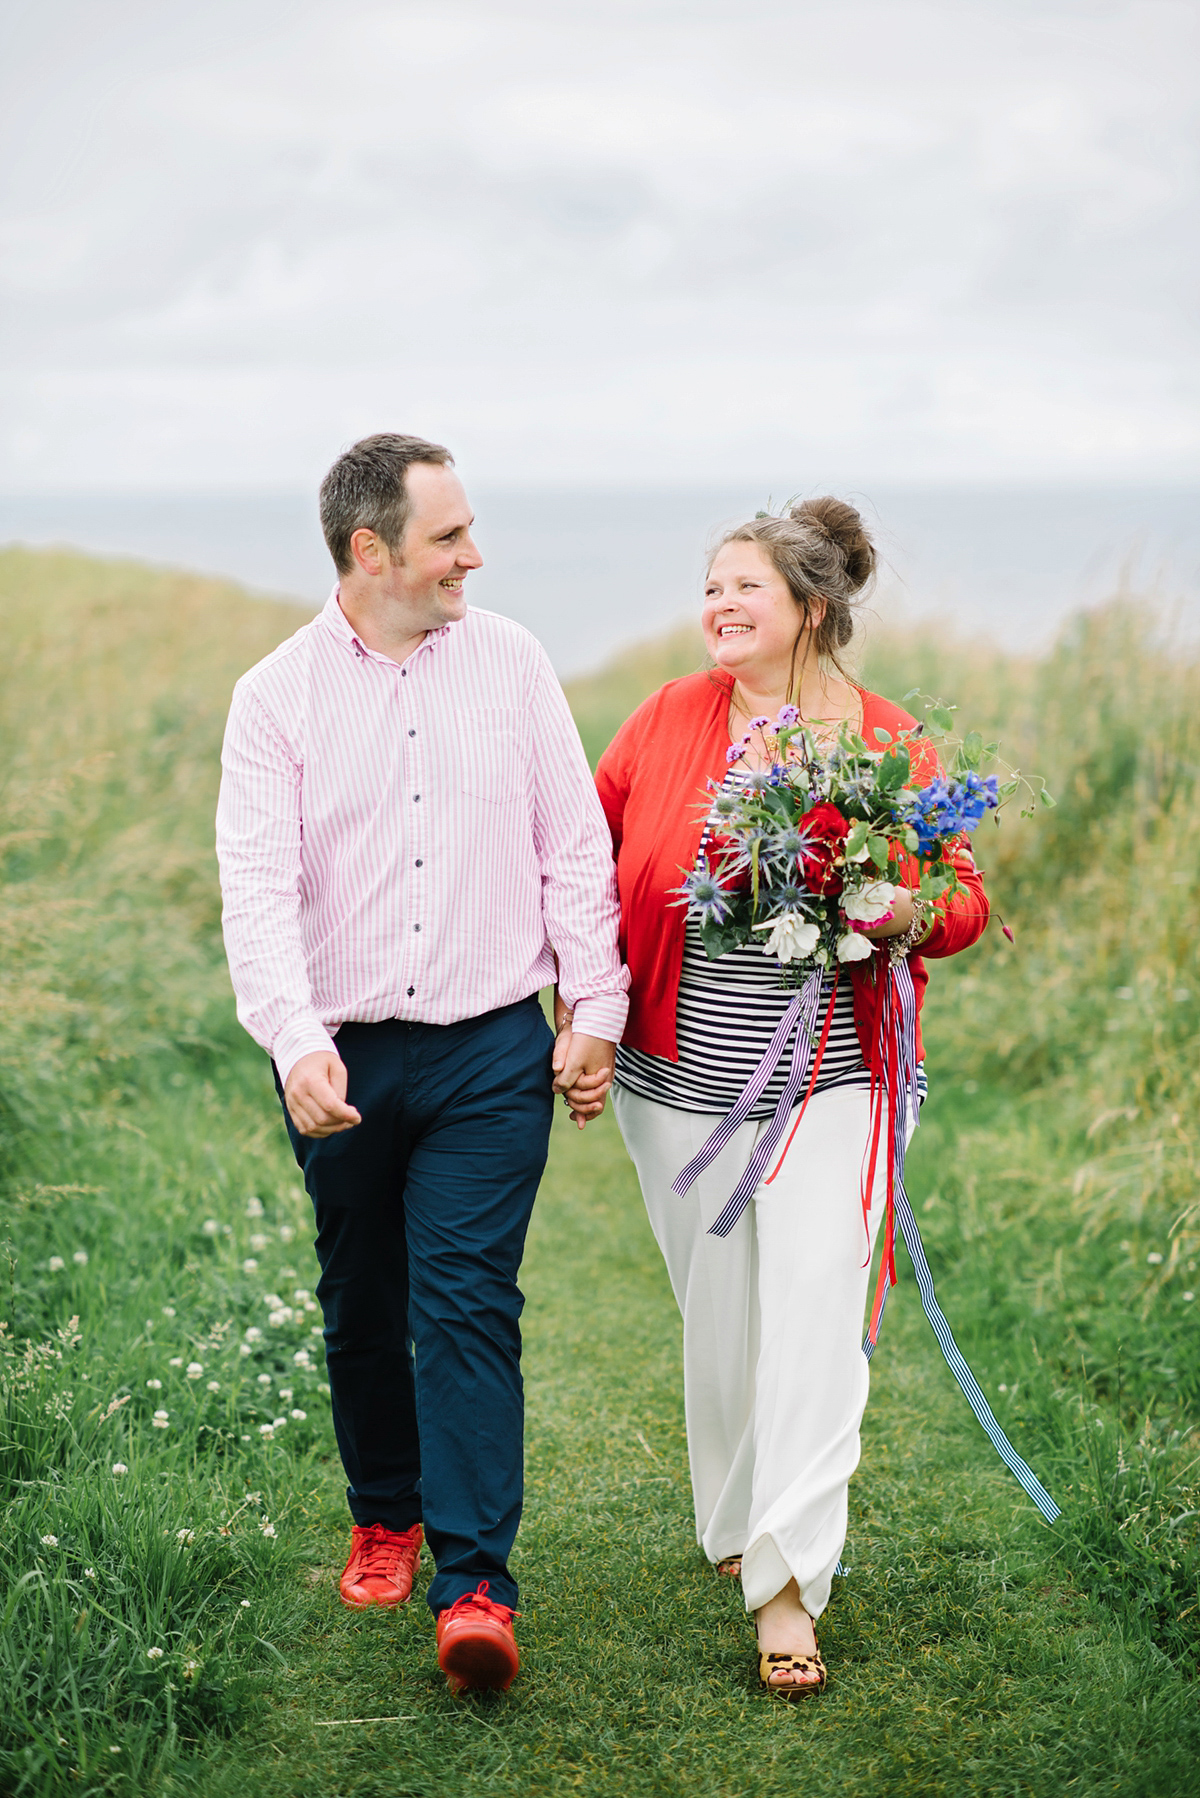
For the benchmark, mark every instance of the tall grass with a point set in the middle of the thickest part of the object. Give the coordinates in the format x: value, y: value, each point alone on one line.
x: 158, y: 1630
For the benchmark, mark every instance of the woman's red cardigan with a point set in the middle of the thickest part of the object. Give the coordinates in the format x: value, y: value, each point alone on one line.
x: 653, y: 782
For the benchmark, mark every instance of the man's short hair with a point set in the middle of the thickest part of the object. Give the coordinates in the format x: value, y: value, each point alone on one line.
x: 366, y: 489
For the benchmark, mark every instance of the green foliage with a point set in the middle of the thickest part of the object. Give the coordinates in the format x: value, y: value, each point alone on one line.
x: 1055, y: 1177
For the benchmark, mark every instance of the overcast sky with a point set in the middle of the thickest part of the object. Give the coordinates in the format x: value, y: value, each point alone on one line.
x: 600, y: 241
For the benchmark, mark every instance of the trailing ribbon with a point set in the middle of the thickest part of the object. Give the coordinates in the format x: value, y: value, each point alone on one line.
x: 894, y: 1090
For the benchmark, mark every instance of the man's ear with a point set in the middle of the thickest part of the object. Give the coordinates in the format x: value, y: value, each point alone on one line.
x: 370, y: 552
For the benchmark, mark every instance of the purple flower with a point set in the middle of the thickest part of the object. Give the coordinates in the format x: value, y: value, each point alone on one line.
x: 734, y: 753
x: 788, y: 715
x: 759, y: 723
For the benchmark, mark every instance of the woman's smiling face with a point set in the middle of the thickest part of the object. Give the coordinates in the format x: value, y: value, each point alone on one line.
x: 750, y: 620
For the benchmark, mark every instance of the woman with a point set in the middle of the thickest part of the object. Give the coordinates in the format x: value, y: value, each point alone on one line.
x: 775, y: 1381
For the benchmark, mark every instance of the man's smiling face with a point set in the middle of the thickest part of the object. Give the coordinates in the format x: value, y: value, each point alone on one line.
x: 437, y: 553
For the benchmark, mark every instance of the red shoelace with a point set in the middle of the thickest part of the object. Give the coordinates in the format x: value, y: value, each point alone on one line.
x: 378, y: 1552
x: 479, y: 1601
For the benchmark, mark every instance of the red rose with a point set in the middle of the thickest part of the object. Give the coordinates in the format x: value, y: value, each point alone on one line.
x: 826, y: 830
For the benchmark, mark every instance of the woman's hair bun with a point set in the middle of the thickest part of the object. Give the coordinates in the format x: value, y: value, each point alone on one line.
x: 845, y: 529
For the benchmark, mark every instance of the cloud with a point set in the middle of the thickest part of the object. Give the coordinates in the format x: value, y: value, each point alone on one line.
x: 926, y: 240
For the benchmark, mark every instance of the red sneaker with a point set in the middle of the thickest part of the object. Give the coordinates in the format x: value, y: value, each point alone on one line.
x: 382, y: 1566
x: 477, y: 1650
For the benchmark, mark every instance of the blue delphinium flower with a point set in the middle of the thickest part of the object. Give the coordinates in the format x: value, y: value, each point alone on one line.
x: 706, y: 898
x: 943, y: 809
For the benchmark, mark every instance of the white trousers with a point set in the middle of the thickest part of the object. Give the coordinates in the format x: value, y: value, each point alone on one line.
x: 775, y: 1381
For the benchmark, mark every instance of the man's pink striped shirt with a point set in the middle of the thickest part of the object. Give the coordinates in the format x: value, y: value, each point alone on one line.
x: 410, y: 840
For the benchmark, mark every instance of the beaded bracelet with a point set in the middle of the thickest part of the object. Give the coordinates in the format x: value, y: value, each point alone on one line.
x: 923, y: 920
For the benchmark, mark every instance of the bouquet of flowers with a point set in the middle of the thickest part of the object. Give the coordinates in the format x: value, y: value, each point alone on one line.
x: 809, y: 849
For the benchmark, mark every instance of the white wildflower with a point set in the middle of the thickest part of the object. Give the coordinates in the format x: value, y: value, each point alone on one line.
x: 211, y: 1227
x: 299, y: 1416
x: 853, y: 947
x: 245, y: 1438
x: 80, y: 1257
x: 302, y: 1358
x: 168, y: 1310
x: 119, y: 1468
x: 49, y: 1541
x: 266, y: 1430
x: 160, y: 1419
x: 249, y: 1265
x: 272, y: 1301
x: 285, y: 1393
x: 244, y: 1348
x: 258, y: 1242
x: 89, y: 1573
x: 175, y: 1361
x: 791, y: 939
x: 279, y: 1423
x: 190, y: 1669
x: 870, y: 904
x: 283, y: 1316
x: 214, y: 1385
x: 286, y: 1232
x: 323, y: 1388
x: 264, y: 1379
x: 56, y: 1264
x: 185, y: 1536
x: 1154, y: 1259
x: 267, y: 1528
x: 154, y: 1385
x: 154, y: 1654
x: 301, y: 1295
x: 245, y: 1604
x: 254, y: 1206
x: 254, y: 1334
x: 1188, y: 1297
x: 317, y: 1329
x: 194, y: 1369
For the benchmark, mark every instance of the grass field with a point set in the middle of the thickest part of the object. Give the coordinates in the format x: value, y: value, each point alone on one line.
x: 173, y: 1627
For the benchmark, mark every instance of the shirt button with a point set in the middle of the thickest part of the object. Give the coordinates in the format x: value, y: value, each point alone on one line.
x: 416, y: 927
x: 416, y: 796
x: 412, y: 733
x: 411, y: 991
x: 420, y: 864
x: 404, y: 671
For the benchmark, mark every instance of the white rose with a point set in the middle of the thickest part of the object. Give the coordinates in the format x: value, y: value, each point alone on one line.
x: 853, y: 947
x: 870, y: 904
x: 790, y: 938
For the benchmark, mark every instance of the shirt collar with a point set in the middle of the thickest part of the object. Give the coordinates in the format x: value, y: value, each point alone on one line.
x: 336, y: 621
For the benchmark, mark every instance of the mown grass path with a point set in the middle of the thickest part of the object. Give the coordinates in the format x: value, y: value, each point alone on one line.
x: 963, y: 1660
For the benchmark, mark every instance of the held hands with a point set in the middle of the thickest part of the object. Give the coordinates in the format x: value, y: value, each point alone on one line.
x: 315, y: 1095
x: 583, y: 1067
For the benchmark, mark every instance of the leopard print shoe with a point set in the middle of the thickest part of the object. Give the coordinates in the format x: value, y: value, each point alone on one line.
x: 792, y: 1663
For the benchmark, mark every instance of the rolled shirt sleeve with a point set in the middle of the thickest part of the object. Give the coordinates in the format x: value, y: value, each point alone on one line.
x: 259, y: 831
x: 579, y: 881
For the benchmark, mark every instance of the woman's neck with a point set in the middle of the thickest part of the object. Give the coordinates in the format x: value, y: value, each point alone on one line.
x: 822, y: 698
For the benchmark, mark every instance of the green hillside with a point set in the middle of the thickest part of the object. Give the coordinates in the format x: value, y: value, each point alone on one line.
x: 149, y: 1204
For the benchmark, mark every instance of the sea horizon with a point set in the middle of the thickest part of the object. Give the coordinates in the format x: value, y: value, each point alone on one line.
x: 593, y: 570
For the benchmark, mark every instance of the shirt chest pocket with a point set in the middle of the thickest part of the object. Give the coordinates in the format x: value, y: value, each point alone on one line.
x: 492, y: 754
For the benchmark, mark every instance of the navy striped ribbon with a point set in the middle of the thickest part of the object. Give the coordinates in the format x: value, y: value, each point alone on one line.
x: 801, y: 1016
x: 955, y: 1360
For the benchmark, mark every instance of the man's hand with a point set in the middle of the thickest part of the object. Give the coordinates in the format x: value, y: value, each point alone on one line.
x: 583, y: 1071
x: 315, y: 1095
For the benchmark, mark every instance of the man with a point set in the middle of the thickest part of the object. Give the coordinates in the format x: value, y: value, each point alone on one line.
x: 408, y: 838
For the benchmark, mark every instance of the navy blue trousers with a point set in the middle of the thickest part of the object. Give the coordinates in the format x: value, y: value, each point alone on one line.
x: 421, y: 1215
